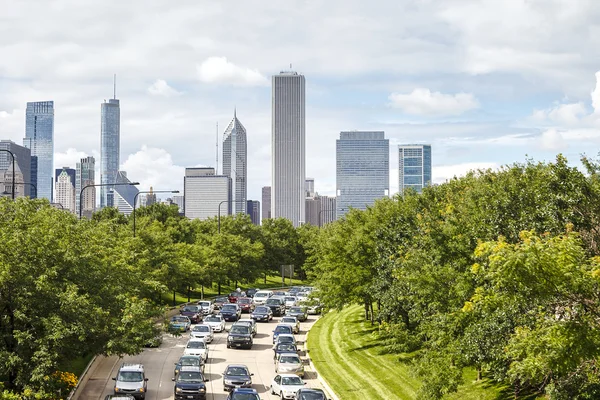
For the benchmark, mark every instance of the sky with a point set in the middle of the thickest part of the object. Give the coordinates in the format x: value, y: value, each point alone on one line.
x: 485, y: 82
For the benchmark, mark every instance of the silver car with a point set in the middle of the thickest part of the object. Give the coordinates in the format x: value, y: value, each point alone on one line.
x: 289, y: 363
x: 207, y: 306
x: 203, y: 331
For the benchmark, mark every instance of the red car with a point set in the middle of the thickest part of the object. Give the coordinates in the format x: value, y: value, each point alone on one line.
x: 233, y: 296
x: 245, y: 304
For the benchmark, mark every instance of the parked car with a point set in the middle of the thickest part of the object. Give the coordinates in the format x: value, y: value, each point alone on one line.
x: 236, y: 376
x: 207, y: 306
x: 243, y: 394
x: 293, y: 321
x: 131, y: 379
x: 231, y: 312
x: 216, y: 322
x: 219, y: 301
x: 310, y: 394
x: 250, y: 323
x: 281, y: 348
x: 282, y: 328
x: 179, y: 323
x: 245, y: 304
x: 262, y: 313
x: 197, y: 347
x: 188, y: 361
x: 298, y: 312
x: 276, y: 305
x: 194, y: 313
x: 203, y: 331
x: 286, y: 385
x: 234, y: 296
x: 289, y: 363
x: 261, y: 297
x: 189, y: 384
x: 240, y: 335
x: 251, y: 292
x: 284, y: 338
x: 290, y: 301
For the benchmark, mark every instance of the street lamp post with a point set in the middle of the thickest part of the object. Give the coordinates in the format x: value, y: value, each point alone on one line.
x: 13, y: 170
x: 135, y: 201
x: 97, y: 185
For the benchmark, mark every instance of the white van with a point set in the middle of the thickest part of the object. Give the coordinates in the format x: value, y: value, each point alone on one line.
x: 261, y: 296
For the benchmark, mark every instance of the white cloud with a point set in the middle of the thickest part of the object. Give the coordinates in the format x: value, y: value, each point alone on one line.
x: 596, y: 95
x: 443, y: 173
x: 161, y: 88
x: 219, y: 70
x: 424, y: 102
x: 552, y: 140
x: 154, y: 167
x: 69, y: 158
x: 569, y: 114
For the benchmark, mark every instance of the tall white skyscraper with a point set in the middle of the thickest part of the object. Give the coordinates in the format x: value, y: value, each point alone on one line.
x: 288, y: 142
x: 235, y: 162
x: 110, y: 147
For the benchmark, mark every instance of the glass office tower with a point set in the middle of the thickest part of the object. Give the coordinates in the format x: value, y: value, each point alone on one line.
x: 235, y: 163
x: 414, y: 167
x: 39, y: 138
x: 110, y: 147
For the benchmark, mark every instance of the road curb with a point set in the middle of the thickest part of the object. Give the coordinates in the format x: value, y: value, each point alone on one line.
x: 331, y: 394
x: 74, y: 395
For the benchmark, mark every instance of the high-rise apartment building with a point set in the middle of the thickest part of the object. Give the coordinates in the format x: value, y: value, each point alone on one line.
x: 110, y: 148
x: 362, y: 169
x: 288, y: 142
x: 23, y: 163
x: 65, y: 188
x: 266, y: 202
x: 39, y: 138
x: 414, y: 167
x: 84, y: 176
x: 253, y: 210
x: 206, y: 195
x: 235, y: 161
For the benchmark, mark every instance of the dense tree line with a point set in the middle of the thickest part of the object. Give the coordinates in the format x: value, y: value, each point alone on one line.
x: 70, y: 287
x: 497, y: 271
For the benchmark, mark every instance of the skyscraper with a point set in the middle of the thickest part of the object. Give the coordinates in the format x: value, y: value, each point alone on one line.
x: 414, y: 167
x: 253, y: 210
x: 206, y: 195
x: 39, y: 138
x: 23, y: 163
x: 362, y: 170
x: 124, y: 195
x: 288, y: 132
x: 84, y: 176
x: 65, y: 188
x: 110, y: 147
x: 266, y: 202
x: 309, y: 186
x: 235, y: 162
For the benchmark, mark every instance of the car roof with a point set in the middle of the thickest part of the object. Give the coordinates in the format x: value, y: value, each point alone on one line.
x: 237, y: 366
x: 289, y: 353
x: 285, y: 335
x: 283, y: 324
x: 196, y: 339
x: 311, y: 390
x: 245, y: 390
x: 190, y: 368
x: 132, y: 367
x: 288, y: 375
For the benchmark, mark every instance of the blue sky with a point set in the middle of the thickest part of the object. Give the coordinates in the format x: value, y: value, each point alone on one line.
x: 486, y: 82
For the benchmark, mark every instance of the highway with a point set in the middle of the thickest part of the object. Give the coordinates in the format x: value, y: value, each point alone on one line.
x: 159, y: 365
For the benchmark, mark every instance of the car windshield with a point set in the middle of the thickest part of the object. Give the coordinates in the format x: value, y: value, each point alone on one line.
x: 285, y: 339
x: 273, y: 301
x: 179, y: 319
x: 228, y: 307
x: 296, y: 309
x: 240, y: 329
x: 130, y: 376
x: 283, y: 329
x: 261, y: 310
x: 312, y: 396
x: 235, y: 294
x: 244, y: 301
x: 196, y: 344
x: 290, y: 359
x: 213, y: 318
x: 286, y: 347
x: 289, y: 320
x: 244, y: 396
x: 290, y: 299
x: 201, y: 328
x: 189, y: 376
x: 204, y: 304
x: 237, y: 371
x: 190, y: 361
x: 190, y: 309
x: 291, y: 380
x: 261, y: 295
x: 221, y: 299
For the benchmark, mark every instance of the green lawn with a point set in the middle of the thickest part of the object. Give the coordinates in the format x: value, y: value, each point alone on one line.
x: 349, y: 357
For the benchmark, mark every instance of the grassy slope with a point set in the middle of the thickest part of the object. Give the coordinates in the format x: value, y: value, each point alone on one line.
x: 352, y: 362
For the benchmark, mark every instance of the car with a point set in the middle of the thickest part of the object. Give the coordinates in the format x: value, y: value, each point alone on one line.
x: 245, y: 304
x: 131, y: 379
x: 188, y: 361
x: 207, y: 306
x: 286, y: 385
x: 243, y: 394
x: 231, y: 312
x: 284, y: 338
x: 197, y: 347
x: 261, y: 297
x: 179, y: 323
x: 276, y: 305
x: 249, y: 322
x: 236, y: 376
x: 234, y: 296
x: 281, y: 348
x: 189, y: 384
x: 203, y: 331
x: 216, y: 322
x: 313, y: 306
x: 280, y: 293
x: 293, y: 321
x: 289, y: 363
x: 293, y: 290
x: 251, y: 292
x: 298, y: 312
x: 310, y: 394
x: 282, y: 328
x: 219, y: 301
x: 119, y: 397
x: 262, y: 313
x: 194, y: 313
x: 240, y: 335
x: 290, y: 301
x: 302, y: 296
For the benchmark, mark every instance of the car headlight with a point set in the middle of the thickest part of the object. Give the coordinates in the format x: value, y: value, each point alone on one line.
x: 178, y: 389
x: 227, y: 381
x: 141, y: 389
x: 202, y: 390
x: 117, y: 389
x: 249, y: 382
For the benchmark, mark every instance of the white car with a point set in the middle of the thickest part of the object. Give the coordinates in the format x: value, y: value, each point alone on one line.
x: 293, y: 321
x: 286, y: 385
x: 216, y: 322
x: 207, y: 307
x: 203, y: 331
x: 290, y: 301
x: 302, y: 296
x: 261, y: 296
x: 197, y: 347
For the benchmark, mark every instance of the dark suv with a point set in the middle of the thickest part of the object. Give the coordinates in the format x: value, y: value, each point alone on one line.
x: 189, y: 384
x: 277, y: 305
x: 240, y: 336
x: 231, y: 312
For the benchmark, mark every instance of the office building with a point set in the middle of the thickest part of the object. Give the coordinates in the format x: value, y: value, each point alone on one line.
x: 288, y: 142
x: 327, y: 213
x: 309, y: 187
x: 23, y: 163
x: 414, y: 167
x: 124, y: 196
x: 253, y: 210
x: 150, y: 198
x: 205, y: 194
x: 235, y: 163
x: 6, y: 179
x: 85, y: 176
x: 266, y: 202
x: 313, y: 209
x: 39, y: 138
x: 65, y: 188
x: 110, y: 148
x: 180, y: 203
x: 362, y: 170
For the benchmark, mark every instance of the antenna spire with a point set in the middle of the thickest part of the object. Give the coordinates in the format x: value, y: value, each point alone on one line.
x: 115, y: 87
